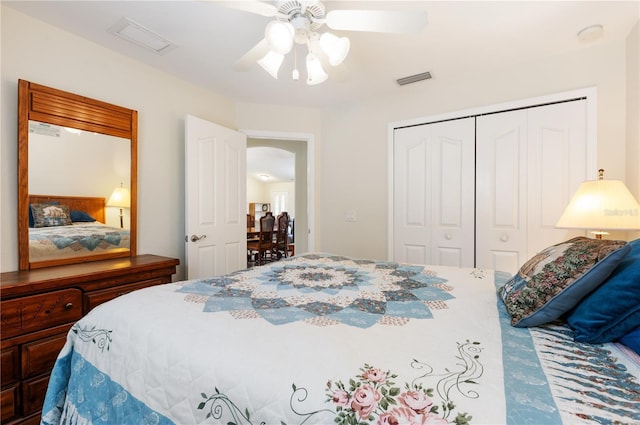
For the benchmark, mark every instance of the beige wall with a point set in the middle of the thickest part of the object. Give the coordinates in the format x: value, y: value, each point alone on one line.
x: 256, y: 191
x: 632, y: 151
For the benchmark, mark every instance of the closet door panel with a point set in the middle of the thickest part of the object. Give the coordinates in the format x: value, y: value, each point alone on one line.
x: 412, y: 218
x: 433, y: 216
x: 501, y: 165
x: 557, y: 166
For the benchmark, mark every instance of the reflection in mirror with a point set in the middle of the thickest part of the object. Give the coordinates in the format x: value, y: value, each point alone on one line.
x: 73, y: 152
x: 74, y: 164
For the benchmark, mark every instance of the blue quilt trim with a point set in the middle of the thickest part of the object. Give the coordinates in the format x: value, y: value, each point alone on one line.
x: 528, y: 398
x: 90, y: 396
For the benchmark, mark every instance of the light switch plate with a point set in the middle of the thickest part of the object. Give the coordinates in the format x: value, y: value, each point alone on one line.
x: 350, y: 215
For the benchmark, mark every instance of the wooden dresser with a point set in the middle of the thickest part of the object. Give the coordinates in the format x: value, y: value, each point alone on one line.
x: 37, y: 309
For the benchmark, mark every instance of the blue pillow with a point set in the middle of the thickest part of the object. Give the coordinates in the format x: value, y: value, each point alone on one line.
x: 612, y: 310
x: 632, y: 340
x: 555, y: 280
x: 81, y: 216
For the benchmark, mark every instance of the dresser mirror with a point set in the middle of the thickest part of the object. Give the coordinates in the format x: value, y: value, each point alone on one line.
x: 77, y: 169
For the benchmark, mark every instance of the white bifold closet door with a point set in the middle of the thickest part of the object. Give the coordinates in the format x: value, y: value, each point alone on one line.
x: 528, y: 164
x: 434, y: 193
x: 486, y: 191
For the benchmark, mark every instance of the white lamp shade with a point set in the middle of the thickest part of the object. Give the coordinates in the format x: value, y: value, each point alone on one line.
x: 120, y: 198
x: 601, y: 205
x: 315, y: 72
x: 280, y: 34
x: 336, y: 48
x: 271, y: 63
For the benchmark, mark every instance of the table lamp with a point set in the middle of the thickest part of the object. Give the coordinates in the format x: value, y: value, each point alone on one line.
x: 601, y: 205
x: 120, y: 198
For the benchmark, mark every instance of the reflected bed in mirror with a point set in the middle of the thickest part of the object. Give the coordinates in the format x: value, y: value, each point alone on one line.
x: 63, y: 227
x: 73, y: 152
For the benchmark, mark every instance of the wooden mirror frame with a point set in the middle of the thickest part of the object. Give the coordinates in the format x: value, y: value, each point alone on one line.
x: 53, y: 106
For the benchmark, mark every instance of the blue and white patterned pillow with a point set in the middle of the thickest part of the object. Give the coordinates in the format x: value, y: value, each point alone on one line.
x: 557, y: 278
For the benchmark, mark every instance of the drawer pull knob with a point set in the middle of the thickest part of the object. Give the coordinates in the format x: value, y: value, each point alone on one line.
x: 68, y: 306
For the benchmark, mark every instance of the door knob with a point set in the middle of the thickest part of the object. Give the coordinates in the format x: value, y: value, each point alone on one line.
x: 195, y: 238
x: 504, y: 238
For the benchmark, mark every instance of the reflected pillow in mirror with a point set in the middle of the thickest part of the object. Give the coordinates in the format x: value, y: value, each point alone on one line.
x: 31, y: 221
x: 78, y: 216
x: 48, y: 215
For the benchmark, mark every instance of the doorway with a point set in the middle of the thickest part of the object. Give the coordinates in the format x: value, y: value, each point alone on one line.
x: 302, y: 145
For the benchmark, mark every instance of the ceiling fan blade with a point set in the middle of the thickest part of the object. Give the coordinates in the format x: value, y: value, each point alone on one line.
x: 389, y: 21
x: 249, y: 59
x: 257, y: 7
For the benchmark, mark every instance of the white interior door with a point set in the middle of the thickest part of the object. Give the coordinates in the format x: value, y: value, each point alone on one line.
x: 434, y: 193
x: 216, y: 163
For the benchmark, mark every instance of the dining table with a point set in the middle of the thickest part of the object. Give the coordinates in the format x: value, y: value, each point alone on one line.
x: 253, y: 233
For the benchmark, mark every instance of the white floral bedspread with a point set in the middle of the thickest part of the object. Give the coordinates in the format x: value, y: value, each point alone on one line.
x: 322, y: 339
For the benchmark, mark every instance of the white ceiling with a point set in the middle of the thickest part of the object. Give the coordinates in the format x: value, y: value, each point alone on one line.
x: 211, y: 38
x: 278, y: 164
x: 460, y: 37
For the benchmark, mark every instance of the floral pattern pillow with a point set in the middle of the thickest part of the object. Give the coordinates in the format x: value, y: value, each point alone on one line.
x: 557, y: 278
x: 48, y: 215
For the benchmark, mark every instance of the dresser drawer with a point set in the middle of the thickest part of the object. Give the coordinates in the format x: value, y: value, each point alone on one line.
x: 9, y: 403
x: 35, y: 312
x: 39, y: 356
x: 33, y: 393
x: 10, y: 366
x: 95, y: 298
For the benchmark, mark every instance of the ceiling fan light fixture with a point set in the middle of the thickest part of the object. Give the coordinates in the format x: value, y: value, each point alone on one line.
x: 336, y: 48
x: 280, y: 34
x: 271, y: 63
x: 315, y: 72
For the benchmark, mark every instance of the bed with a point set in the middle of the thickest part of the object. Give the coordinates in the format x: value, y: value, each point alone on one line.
x: 82, y: 233
x: 322, y: 339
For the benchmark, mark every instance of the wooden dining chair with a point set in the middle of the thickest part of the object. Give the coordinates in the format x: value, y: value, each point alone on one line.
x: 262, y: 248
x: 281, y: 244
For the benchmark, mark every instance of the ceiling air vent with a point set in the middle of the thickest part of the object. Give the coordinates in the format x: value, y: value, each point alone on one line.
x: 135, y: 33
x: 414, y: 78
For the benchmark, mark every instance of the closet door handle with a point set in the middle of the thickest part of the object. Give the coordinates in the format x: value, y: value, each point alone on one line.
x: 195, y: 238
x: 504, y: 238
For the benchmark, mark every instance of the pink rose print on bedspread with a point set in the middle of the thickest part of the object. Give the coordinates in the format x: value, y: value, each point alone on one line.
x: 365, y: 399
x: 372, y: 397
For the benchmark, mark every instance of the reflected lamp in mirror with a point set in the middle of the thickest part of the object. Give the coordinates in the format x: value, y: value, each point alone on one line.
x: 120, y: 198
x: 601, y: 205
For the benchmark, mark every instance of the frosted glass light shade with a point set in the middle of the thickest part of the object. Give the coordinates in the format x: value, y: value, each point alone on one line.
x: 120, y: 198
x: 271, y: 63
x: 601, y: 205
x: 315, y: 72
x: 280, y: 34
x: 336, y: 48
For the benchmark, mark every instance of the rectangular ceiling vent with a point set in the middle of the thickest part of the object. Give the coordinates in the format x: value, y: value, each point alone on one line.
x: 135, y: 33
x: 414, y: 78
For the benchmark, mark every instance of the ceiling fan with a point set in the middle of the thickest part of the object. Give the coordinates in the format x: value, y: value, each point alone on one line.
x: 298, y: 22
